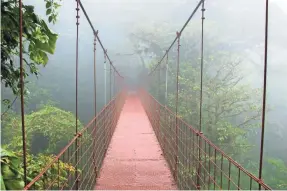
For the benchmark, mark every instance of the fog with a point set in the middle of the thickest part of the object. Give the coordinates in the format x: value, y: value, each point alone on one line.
x: 233, y: 26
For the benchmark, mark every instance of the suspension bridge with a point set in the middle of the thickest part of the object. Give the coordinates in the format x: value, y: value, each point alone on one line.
x: 137, y: 142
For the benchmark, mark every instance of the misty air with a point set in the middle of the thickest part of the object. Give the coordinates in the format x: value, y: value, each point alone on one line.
x: 143, y: 95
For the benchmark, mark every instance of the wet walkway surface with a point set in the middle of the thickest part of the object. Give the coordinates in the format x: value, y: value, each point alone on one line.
x: 134, y: 160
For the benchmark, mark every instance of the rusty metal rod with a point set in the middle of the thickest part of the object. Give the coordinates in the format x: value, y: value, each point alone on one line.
x: 110, y: 82
x: 264, y: 93
x: 105, y: 74
x: 114, y: 85
x: 97, y: 36
x: 176, y: 105
x: 95, y: 103
x: 166, y: 78
x: 159, y: 85
x: 77, y: 66
x: 185, y: 24
x: 201, y: 88
x: 22, y: 92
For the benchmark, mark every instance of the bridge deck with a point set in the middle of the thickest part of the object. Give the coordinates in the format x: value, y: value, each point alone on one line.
x: 134, y: 159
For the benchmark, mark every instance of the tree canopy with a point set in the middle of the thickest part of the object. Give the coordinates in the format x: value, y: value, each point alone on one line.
x: 48, y: 130
x: 38, y: 40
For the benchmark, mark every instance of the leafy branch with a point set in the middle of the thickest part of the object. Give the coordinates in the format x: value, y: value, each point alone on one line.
x: 38, y: 41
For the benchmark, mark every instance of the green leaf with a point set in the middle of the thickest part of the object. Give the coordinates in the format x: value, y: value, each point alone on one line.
x: 50, y: 18
x: 44, y: 57
x: 7, y: 173
x: 48, y: 4
x: 48, y: 11
x: 5, y: 153
x: 29, y: 8
x: 14, y: 184
x: 49, y: 46
x: 2, y: 182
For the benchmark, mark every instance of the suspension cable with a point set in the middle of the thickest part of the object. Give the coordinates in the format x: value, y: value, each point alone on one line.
x: 159, y: 83
x: 77, y: 62
x: 176, y: 105
x: 105, y: 74
x: 201, y: 66
x: 95, y: 105
x: 97, y: 36
x: 22, y: 92
x: 110, y: 82
x: 166, y: 78
x: 77, y: 66
x: 114, y: 85
x: 181, y: 30
x: 264, y: 93
x: 95, y: 73
x: 201, y: 88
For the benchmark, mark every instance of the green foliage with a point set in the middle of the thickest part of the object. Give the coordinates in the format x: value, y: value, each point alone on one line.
x: 231, y: 109
x: 50, y: 123
x: 226, y: 101
x: 38, y: 40
x: 12, y: 171
x: 48, y: 130
x: 275, y: 173
x: 58, y: 171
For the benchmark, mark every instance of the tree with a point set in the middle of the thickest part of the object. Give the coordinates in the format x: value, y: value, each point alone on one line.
x: 38, y: 40
x: 48, y: 130
x: 230, y: 107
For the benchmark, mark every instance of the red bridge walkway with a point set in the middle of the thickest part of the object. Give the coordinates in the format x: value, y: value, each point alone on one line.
x: 134, y: 159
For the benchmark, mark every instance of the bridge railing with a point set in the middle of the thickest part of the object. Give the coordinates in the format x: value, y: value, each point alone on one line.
x: 77, y: 166
x: 202, y: 77
x: 182, y: 145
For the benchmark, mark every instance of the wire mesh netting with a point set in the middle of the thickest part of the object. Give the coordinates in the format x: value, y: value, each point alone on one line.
x: 77, y: 166
x: 212, y: 169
